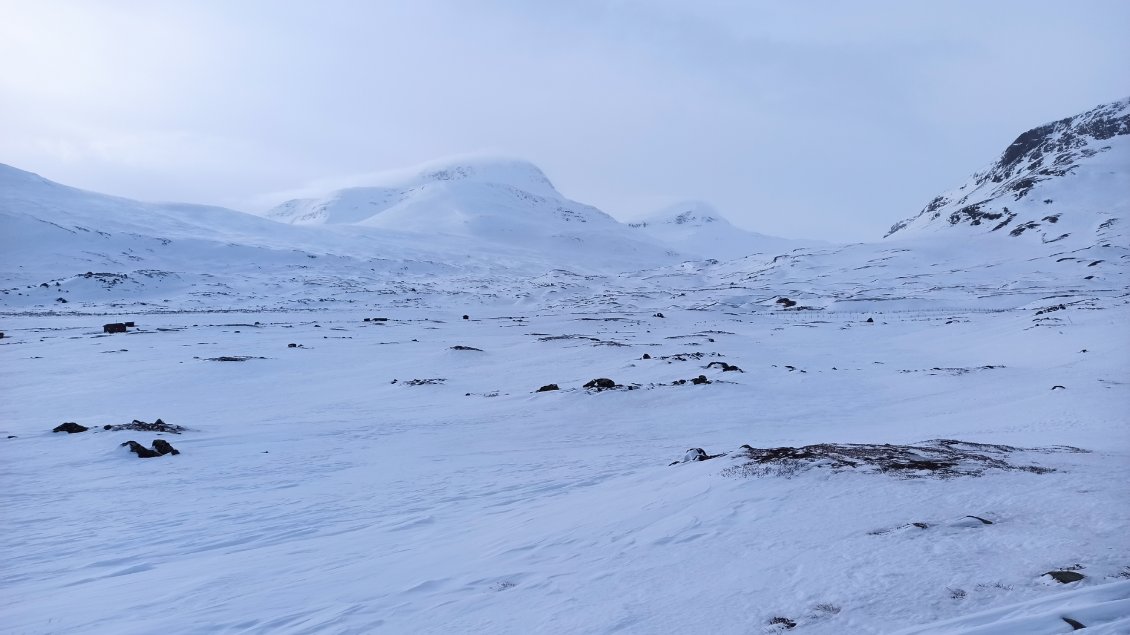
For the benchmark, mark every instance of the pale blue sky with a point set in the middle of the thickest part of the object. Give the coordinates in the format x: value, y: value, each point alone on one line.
x: 807, y: 119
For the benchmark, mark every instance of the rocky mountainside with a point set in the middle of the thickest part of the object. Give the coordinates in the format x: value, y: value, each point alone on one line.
x: 1062, y: 181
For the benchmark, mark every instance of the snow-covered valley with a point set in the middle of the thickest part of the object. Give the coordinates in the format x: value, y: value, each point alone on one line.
x: 368, y: 448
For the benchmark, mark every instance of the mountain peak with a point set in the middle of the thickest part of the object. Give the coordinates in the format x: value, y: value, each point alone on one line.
x: 690, y: 213
x: 1019, y: 190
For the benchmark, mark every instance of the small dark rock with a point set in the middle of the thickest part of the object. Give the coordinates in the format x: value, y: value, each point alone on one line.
x: 921, y: 525
x: 645, y: 355
x: 292, y: 345
x: 163, y: 447
x: 601, y: 382
x: 141, y: 451
x: 107, y: 427
x: 870, y: 320
x: 786, y: 302
x: 658, y: 315
x: 1, y: 336
x: 116, y: 327
x: 701, y: 379
x: 783, y: 621
x: 70, y: 427
x: 368, y: 320
x: 380, y: 319
x: 61, y: 300
x: 1058, y: 387
x: 460, y: 347
x: 696, y: 454
x: 1065, y: 577
x: 466, y: 317
x: 1074, y: 624
x: 549, y: 387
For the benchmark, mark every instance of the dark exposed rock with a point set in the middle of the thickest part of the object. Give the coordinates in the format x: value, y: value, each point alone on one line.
x: 1, y: 335
x: 725, y: 367
x: 115, y: 327
x: 466, y: 317
x: 163, y: 447
x: 158, y: 426
x: 1058, y: 387
x: 941, y: 458
x: 645, y: 355
x: 292, y: 345
x: 549, y: 387
x: 870, y: 320
x: 367, y: 320
x: 460, y: 347
x: 1074, y: 624
x: 701, y: 379
x: 786, y: 302
x: 1065, y: 577
x: 601, y: 383
x: 696, y: 454
x: 233, y: 358
x: 658, y: 315
x: 141, y: 451
x: 782, y: 621
x: 70, y: 427
x: 983, y: 521
x: 433, y: 381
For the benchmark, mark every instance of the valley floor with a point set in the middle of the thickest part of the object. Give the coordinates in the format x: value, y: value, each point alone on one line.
x: 314, y: 493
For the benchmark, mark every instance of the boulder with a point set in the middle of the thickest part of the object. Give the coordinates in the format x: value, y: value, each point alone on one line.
x: 70, y: 427
x: 163, y: 447
x: 549, y: 387
x: 601, y: 382
x: 701, y: 379
x: 141, y: 451
x: 116, y: 327
x: 1065, y: 577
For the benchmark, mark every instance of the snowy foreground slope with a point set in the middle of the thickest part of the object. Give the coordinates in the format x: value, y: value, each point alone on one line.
x: 397, y: 469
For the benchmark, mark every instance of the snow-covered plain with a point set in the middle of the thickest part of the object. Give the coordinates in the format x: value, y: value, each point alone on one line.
x: 320, y: 488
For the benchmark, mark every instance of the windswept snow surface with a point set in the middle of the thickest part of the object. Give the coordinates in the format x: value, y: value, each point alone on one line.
x: 405, y: 475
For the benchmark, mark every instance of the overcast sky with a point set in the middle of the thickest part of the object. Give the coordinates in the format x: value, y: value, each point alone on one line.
x: 820, y: 119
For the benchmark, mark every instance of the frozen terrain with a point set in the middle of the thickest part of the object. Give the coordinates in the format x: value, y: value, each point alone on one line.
x: 925, y: 434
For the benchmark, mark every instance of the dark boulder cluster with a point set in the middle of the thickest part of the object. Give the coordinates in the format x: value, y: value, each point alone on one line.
x: 701, y: 379
x: 940, y: 458
x: 548, y: 388
x: 785, y: 302
x: 726, y: 368
x: 70, y: 427
x: 160, y: 447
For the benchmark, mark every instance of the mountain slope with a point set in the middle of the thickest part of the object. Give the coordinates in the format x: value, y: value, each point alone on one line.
x: 1063, y: 181
x: 695, y: 227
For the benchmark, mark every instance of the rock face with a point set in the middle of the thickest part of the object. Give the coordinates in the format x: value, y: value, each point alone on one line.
x: 1017, y: 194
x: 70, y: 427
x: 549, y: 387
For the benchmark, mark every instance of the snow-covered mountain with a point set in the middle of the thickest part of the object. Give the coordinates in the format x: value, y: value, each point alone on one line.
x: 696, y: 227
x: 459, y: 402
x: 1067, y: 181
x: 501, y: 201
